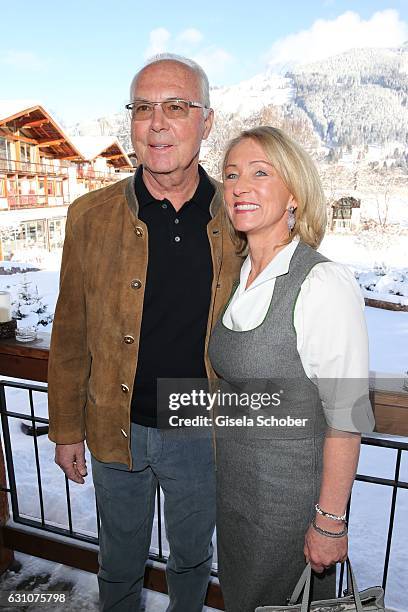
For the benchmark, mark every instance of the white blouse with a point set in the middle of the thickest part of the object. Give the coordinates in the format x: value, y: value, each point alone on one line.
x: 332, y: 339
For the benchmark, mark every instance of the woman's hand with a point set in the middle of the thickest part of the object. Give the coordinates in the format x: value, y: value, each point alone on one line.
x: 323, y: 551
x: 340, y: 458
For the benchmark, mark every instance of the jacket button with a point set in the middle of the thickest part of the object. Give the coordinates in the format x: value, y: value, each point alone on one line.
x: 139, y: 231
x: 136, y: 284
x: 124, y: 433
x: 124, y: 388
x: 128, y: 339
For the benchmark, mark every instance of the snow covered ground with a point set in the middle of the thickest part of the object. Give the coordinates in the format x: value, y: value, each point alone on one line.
x: 81, y: 588
x: 388, y: 332
x: 388, y: 339
x: 366, y: 250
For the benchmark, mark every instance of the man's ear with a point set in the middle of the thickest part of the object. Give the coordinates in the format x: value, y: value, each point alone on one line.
x: 208, y: 121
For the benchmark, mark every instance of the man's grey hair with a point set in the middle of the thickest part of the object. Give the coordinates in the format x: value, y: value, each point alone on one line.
x: 173, y: 57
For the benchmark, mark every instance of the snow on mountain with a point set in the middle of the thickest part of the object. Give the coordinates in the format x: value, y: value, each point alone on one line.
x: 356, y: 99
x: 361, y: 62
x: 250, y: 96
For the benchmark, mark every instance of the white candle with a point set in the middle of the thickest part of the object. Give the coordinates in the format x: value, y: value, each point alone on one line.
x: 5, y: 306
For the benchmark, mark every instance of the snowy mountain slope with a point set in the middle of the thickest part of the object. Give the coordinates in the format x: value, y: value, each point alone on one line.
x: 250, y: 96
x: 356, y: 98
x: 361, y: 62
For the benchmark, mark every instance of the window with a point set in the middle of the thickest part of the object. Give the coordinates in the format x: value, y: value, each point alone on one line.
x: 56, y: 229
x: 58, y: 188
x: 24, y: 187
x: 24, y: 152
x: 50, y: 187
x: 5, y: 154
x: 3, y: 148
x: 33, y: 233
x: 27, y: 152
x: 11, y: 187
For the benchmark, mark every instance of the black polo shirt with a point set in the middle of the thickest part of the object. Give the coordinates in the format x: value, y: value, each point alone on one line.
x: 177, y: 293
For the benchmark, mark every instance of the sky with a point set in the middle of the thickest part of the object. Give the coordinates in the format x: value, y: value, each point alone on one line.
x: 77, y: 58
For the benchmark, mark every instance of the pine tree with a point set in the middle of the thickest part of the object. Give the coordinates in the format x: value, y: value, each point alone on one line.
x: 29, y: 304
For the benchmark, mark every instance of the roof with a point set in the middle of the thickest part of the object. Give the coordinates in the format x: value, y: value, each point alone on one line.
x: 9, y: 108
x: 36, y: 125
x: 347, y: 201
x: 102, y: 146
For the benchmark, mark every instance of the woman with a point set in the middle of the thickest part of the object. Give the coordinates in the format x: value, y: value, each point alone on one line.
x: 296, y: 319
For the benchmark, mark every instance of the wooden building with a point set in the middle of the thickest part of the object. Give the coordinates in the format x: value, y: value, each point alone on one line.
x: 103, y: 161
x: 35, y: 155
x: 345, y: 214
x: 42, y: 170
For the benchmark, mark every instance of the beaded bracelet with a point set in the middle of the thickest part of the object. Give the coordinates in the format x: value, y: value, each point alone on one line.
x: 329, y: 515
x: 329, y: 534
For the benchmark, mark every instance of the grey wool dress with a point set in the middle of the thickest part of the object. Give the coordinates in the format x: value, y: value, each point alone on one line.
x: 268, y: 477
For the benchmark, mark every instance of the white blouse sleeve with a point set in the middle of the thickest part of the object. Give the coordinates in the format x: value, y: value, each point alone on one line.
x: 332, y: 342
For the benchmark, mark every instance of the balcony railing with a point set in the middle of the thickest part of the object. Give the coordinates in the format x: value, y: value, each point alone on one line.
x: 23, y: 362
x: 91, y: 174
x: 36, y: 201
x: 79, y: 548
x: 11, y: 166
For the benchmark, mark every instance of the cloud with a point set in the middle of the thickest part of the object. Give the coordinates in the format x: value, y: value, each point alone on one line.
x: 158, y: 42
x: 22, y: 60
x: 215, y: 60
x: 190, y: 36
x: 331, y: 37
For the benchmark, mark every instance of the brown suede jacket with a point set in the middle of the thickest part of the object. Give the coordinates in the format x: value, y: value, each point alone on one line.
x: 95, y: 336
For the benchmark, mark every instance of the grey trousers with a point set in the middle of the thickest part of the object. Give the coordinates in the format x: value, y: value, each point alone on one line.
x: 184, y: 467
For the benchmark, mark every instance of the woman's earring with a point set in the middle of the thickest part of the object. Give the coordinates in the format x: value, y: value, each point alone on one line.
x: 291, y: 218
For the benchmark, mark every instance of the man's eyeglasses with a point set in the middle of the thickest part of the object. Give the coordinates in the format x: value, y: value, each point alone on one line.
x: 173, y: 108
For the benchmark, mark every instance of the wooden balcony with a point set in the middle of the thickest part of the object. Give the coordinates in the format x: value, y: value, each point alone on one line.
x: 27, y: 169
x: 97, y: 175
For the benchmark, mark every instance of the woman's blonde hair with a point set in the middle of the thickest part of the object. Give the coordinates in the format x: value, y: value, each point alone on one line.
x: 299, y: 173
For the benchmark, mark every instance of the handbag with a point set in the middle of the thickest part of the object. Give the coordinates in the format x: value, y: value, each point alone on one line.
x: 369, y: 600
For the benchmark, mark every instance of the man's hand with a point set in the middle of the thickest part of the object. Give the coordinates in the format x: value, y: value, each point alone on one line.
x: 322, y: 551
x: 71, y: 460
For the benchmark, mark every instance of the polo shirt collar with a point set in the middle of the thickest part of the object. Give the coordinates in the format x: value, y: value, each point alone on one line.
x: 143, y: 195
x: 201, y: 197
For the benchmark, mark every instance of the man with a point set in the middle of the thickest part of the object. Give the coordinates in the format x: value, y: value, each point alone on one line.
x: 147, y: 266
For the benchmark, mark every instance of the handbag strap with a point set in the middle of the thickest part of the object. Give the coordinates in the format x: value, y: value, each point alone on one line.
x: 304, y: 583
x: 351, y: 580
